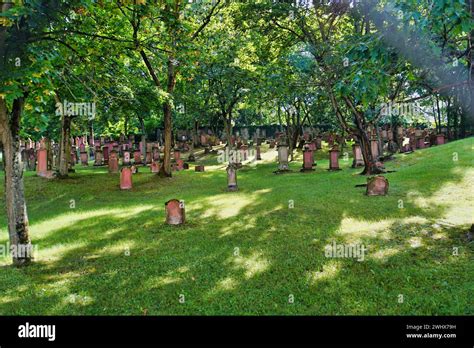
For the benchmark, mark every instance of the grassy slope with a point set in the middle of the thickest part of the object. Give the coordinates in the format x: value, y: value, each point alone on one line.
x: 83, y: 267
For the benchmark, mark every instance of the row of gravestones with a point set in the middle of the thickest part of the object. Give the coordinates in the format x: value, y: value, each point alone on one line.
x: 377, y: 185
x: 127, y: 171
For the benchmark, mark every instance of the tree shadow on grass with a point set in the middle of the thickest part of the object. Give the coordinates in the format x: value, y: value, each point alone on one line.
x: 248, y: 252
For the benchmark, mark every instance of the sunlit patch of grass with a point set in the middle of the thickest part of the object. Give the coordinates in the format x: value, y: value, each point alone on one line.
x: 245, y: 252
x: 329, y: 270
x: 252, y: 264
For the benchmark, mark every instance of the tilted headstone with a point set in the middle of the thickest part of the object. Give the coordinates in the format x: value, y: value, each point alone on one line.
x: 377, y: 186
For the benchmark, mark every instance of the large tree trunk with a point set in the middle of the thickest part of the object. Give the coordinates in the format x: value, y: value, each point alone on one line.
x: 65, y: 146
x: 370, y: 167
x: 14, y: 192
x: 228, y: 128
x: 165, y: 169
x: 143, y: 137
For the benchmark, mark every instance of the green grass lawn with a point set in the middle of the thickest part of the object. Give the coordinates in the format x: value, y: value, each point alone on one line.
x: 246, y: 252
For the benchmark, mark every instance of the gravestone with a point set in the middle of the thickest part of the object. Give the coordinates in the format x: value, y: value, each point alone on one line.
x: 244, y: 152
x: 374, y: 147
x: 155, y: 167
x: 319, y: 142
x: 156, y: 152
x: 377, y: 186
x: 421, y: 143
x: 334, y: 158
x: 232, y: 177
x: 440, y: 139
x: 137, y: 157
x: 175, y: 212
x: 126, y: 157
x: 179, y: 164
x: 31, y: 159
x: 42, y: 166
x: 126, y: 178
x: 358, y: 160
x: 177, y: 154
x: 203, y: 139
x: 113, y: 162
x: 98, y: 159
x: 258, y: 156
x: 283, y: 166
x: 84, y: 158
x: 412, y: 142
x: 105, y: 152
x: 308, y: 159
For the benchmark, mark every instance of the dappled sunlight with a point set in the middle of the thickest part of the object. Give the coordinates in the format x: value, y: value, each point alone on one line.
x: 246, y: 224
x: 156, y: 282
x: 252, y: 264
x: 69, y: 219
x: 415, y: 242
x: 125, y: 212
x: 225, y: 206
x: 459, y: 209
x: 4, y: 299
x: 383, y: 254
x: 77, y: 300
x: 226, y: 284
x: 353, y: 229
x: 124, y: 247
x: 57, y: 251
x: 171, y: 277
x: 329, y: 271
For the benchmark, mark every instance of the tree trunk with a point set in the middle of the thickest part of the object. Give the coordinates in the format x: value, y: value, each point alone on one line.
x: 228, y: 128
x: 165, y: 169
x: 370, y: 167
x: 65, y: 146
x: 14, y: 192
x: 196, y: 135
x: 91, y: 135
x: 49, y: 156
